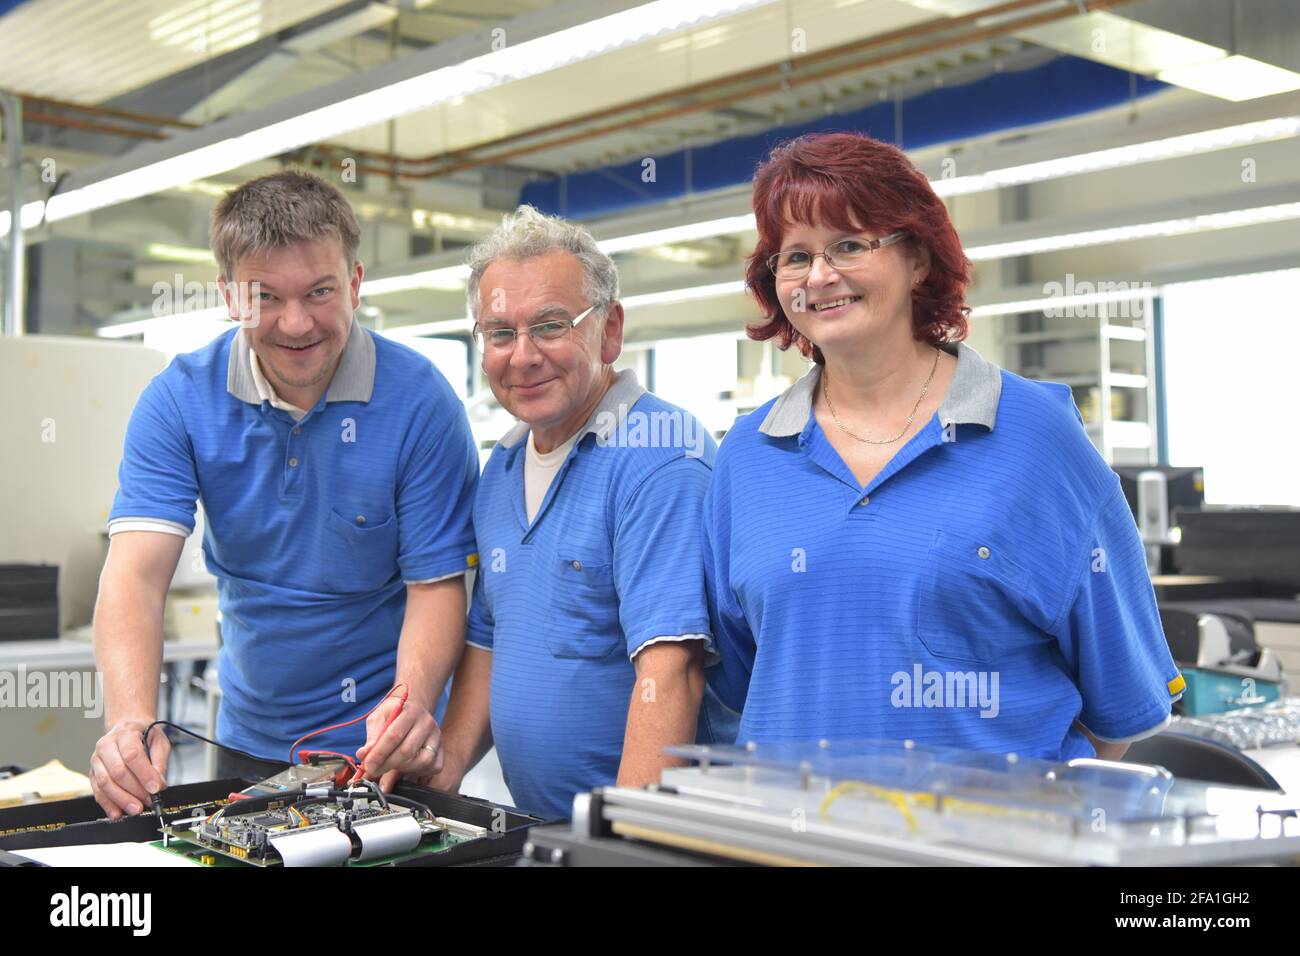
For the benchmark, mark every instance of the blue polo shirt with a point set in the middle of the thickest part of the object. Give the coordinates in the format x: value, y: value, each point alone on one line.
x: 612, y: 561
x: 986, y: 590
x: 312, y: 526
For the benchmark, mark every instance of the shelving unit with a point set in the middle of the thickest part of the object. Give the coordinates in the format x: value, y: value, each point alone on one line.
x: 1105, y: 352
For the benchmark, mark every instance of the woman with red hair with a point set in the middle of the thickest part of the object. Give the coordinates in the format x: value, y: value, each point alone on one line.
x: 911, y: 543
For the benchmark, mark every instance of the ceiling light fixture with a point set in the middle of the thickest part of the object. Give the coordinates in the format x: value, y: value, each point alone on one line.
x: 517, y: 61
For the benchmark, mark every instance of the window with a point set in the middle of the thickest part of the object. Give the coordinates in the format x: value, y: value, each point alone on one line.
x: 1230, y: 383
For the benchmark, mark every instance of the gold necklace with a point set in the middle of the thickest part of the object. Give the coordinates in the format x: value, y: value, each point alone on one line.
x: 826, y: 390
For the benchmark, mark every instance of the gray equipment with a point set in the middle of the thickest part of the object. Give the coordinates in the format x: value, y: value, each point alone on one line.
x: 892, y: 803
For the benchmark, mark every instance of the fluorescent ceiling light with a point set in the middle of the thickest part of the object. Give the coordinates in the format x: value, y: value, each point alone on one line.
x: 1172, y: 147
x: 514, y: 62
x: 1171, y: 57
x: 683, y: 255
x: 440, y: 327
x: 1122, y: 43
x: 196, y: 164
x: 31, y: 216
x: 451, y: 278
x: 1136, y: 291
x: 684, y: 295
x: 218, y: 317
x: 1186, y: 225
x: 1233, y: 78
x: 432, y: 219
x: 1061, y: 301
x: 171, y: 253
x: 1227, y: 137
x: 695, y: 230
x: 630, y: 302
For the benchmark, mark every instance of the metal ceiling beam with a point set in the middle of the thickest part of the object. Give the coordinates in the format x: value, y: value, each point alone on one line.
x: 458, y: 50
x: 350, y: 21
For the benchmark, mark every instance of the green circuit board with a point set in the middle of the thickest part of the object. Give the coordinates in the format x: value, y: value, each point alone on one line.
x: 357, y: 827
x: 196, y: 852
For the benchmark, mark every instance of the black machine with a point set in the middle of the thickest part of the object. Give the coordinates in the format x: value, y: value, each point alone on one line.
x: 1154, y: 493
x: 1258, y: 547
x: 1259, y: 544
x: 29, y: 602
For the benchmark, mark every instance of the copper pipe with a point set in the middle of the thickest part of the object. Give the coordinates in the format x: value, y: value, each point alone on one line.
x: 939, y: 25
x: 932, y: 26
x: 70, y: 123
x: 787, y: 82
x: 151, y: 119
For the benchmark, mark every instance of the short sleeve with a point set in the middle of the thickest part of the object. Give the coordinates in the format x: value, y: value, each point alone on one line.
x: 435, y: 491
x: 658, y: 560
x: 481, y: 623
x: 1112, y: 635
x: 731, y: 633
x: 157, y: 477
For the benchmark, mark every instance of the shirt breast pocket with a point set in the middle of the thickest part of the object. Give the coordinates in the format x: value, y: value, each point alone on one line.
x: 969, y: 606
x: 583, y: 606
x: 359, y: 557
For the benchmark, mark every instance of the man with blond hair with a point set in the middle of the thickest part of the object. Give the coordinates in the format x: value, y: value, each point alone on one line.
x: 336, y: 471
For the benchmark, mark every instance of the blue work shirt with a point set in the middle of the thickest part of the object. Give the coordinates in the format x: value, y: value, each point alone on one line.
x: 984, y: 591
x: 312, y: 526
x: 612, y: 561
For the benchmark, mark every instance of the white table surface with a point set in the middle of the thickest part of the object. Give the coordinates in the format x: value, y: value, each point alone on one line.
x: 73, y: 652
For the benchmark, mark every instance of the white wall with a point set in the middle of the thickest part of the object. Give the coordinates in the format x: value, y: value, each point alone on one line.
x: 66, y: 402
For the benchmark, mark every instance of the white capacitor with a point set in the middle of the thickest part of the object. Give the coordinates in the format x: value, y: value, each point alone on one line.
x: 387, y: 836
x: 326, y: 846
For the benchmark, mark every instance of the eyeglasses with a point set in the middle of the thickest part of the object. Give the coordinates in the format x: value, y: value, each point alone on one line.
x: 845, y: 254
x: 500, y: 340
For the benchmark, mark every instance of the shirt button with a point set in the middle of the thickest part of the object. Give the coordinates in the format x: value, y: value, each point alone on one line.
x: 983, y: 552
x: 577, y: 565
x: 293, y: 462
x: 297, y: 430
x: 866, y: 500
x: 361, y: 519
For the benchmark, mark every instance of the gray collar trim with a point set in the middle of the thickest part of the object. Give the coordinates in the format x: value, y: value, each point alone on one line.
x: 354, y: 379
x: 972, y: 397
x: 606, y: 418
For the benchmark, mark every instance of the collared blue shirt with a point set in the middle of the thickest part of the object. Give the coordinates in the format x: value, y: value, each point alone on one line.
x: 612, y: 561
x: 984, y: 591
x: 312, y: 526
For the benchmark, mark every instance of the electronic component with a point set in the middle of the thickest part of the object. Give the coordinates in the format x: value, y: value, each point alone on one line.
x: 316, y: 826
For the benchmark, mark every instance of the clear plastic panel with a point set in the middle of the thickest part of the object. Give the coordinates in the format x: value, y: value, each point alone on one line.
x: 982, y: 799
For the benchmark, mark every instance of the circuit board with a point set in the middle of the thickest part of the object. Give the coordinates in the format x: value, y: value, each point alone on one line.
x: 355, y: 827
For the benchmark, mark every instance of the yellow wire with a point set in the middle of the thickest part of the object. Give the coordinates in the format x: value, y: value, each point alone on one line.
x: 897, y: 798
x: 900, y: 800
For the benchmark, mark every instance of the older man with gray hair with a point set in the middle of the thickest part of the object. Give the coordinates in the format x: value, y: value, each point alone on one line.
x: 588, y: 630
